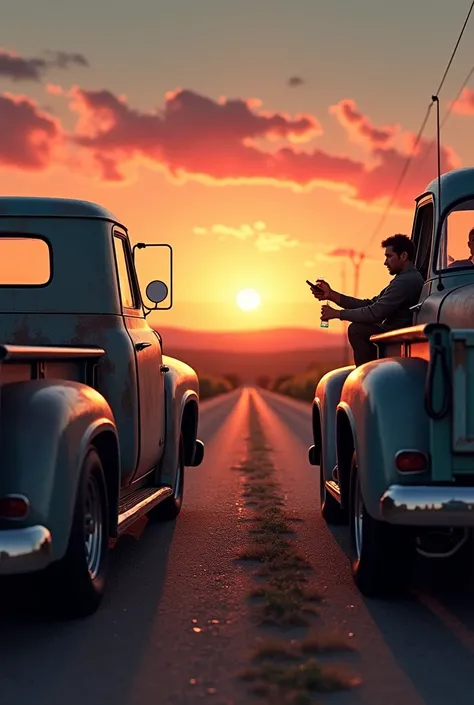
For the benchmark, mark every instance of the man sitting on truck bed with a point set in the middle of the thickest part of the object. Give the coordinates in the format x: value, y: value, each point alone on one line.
x: 387, y: 311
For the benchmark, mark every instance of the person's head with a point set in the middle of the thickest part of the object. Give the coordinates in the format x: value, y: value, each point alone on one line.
x: 470, y: 242
x: 399, y: 252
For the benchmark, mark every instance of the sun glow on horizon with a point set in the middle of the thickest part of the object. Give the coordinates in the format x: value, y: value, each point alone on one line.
x: 248, y: 299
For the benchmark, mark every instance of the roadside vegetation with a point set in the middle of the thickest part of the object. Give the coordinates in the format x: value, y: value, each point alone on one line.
x: 300, y: 386
x: 285, y: 598
x: 211, y: 386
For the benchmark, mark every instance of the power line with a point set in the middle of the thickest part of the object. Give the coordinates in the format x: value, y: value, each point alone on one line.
x: 448, y: 113
x: 419, y: 135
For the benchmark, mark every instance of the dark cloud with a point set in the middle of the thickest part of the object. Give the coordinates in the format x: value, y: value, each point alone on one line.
x: 295, y: 81
x: 18, y: 68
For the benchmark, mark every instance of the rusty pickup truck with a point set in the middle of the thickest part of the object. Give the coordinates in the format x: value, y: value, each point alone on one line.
x: 394, y: 438
x: 96, y: 423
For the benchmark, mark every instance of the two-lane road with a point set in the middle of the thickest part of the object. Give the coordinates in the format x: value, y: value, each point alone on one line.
x: 175, y: 626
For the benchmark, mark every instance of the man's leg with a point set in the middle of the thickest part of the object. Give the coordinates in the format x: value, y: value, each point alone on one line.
x: 359, y: 338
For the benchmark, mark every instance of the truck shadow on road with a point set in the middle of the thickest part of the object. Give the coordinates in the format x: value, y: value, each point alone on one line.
x: 110, y: 645
x: 429, y: 631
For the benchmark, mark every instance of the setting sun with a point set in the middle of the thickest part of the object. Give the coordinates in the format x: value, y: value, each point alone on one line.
x: 248, y: 299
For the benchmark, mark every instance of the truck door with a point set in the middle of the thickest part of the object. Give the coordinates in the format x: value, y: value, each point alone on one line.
x: 148, y: 356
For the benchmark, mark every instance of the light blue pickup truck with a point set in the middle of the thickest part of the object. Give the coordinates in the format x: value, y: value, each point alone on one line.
x: 394, y: 438
x: 96, y: 424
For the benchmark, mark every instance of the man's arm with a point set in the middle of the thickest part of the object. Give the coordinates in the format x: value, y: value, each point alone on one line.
x: 389, y: 301
x: 350, y: 302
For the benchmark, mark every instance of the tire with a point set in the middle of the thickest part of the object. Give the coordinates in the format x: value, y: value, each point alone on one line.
x: 76, y: 583
x: 381, y: 554
x: 171, y: 507
x: 331, y: 510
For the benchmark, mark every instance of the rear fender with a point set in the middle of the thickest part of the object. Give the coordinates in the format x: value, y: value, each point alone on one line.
x: 182, y: 414
x: 328, y: 393
x: 46, y: 427
x: 381, y: 412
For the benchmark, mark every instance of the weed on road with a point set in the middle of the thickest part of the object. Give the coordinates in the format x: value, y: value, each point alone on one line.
x: 285, y: 597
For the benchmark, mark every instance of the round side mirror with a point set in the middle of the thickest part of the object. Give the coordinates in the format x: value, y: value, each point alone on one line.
x: 157, y: 291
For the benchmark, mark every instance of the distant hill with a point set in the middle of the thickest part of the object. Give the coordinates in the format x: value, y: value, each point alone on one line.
x: 270, y: 341
x: 249, y: 366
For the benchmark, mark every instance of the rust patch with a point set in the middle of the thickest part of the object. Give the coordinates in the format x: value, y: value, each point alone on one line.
x: 126, y: 398
x: 89, y: 328
x: 459, y: 354
x: 23, y: 334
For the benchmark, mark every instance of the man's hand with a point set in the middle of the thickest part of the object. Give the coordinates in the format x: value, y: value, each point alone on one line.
x: 327, y: 313
x: 326, y: 294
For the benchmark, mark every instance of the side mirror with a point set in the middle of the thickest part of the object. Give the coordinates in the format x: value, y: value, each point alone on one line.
x: 157, y: 291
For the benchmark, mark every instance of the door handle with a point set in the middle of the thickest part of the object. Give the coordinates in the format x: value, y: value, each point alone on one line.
x: 164, y: 368
x: 141, y: 346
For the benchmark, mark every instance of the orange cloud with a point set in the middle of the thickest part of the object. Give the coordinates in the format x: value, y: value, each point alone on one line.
x: 228, y: 141
x: 28, y: 136
x: 465, y: 103
x: 263, y: 240
x: 360, y: 128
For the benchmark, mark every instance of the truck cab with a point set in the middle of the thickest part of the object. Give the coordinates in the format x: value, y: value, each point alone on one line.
x: 400, y: 429
x: 96, y: 423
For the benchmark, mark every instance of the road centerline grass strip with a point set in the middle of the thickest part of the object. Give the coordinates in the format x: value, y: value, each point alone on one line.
x: 285, y: 596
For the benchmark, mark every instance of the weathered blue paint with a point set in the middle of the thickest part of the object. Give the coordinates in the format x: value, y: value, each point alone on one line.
x: 137, y: 405
x: 381, y: 408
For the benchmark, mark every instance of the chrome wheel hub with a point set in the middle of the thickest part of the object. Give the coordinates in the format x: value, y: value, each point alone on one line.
x: 93, y: 527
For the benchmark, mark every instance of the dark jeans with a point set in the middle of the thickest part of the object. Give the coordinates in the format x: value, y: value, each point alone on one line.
x: 359, y: 338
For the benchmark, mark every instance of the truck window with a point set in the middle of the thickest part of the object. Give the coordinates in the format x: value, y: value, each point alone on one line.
x: 456, y: 246
x: 422, y: 238
x: 24, y: 261
x: 126, y: 288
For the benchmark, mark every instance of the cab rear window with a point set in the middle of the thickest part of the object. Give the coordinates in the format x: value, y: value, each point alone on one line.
x: 24, y: 261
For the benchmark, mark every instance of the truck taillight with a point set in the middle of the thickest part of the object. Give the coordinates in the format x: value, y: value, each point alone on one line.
x: 411, y: 461
x: 14, y: 507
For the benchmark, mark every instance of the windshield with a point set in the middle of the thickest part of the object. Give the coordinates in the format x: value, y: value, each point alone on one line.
x: 456, y: 248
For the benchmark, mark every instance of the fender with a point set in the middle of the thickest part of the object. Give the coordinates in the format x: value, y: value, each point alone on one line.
x: 181, y: 412
x: 381, y: 412
x: 46, y: 427
x: 328, y: 393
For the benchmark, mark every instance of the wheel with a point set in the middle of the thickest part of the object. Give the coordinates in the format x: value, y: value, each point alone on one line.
x: 171, y: 507
x: 381, y: 554
x: 330, y: 508
x: 76, y: 583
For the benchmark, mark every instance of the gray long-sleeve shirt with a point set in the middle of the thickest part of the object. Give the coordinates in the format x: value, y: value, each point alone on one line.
x: 391, y: 307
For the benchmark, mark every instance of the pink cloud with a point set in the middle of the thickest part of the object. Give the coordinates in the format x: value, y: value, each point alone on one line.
x: 359, y: 126
x: 465, y: 103
x: 28, y: 136
x: 223, y: 141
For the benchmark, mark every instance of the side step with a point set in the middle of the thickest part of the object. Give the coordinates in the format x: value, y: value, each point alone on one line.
x: 140, y: 502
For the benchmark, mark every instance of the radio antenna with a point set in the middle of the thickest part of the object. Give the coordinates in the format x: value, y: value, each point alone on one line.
x: 435, y: 99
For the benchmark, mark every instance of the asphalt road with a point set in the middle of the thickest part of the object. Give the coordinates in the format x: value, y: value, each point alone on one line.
x: 175, y: 625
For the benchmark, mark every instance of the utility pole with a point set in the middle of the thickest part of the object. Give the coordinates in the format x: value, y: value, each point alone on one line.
x: 356, y: 258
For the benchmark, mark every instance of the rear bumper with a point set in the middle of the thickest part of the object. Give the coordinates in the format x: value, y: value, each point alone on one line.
x: 428, y: 505
x: 24, y: 550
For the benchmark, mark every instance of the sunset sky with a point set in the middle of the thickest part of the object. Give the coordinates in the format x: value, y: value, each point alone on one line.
x: 253, y: 136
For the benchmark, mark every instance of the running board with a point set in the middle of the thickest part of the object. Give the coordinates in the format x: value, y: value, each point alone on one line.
x: 140, y: 502
x: 333, y: 489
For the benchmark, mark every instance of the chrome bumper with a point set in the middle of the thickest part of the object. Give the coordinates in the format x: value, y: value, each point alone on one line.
x: 24, y: 550
x: 428, y: 506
